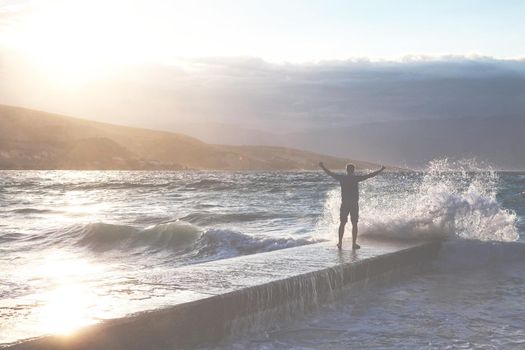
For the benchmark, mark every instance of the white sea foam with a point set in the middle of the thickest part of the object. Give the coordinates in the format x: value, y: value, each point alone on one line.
x: 453, y: 199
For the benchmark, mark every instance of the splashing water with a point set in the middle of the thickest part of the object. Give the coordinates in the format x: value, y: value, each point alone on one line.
x: 451, y: 199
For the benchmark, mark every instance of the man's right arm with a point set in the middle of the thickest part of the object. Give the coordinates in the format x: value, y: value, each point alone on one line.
x: 331, y: 173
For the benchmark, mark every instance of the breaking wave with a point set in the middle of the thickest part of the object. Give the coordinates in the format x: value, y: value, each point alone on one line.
x: 182, y: 238
x: 102, y: 236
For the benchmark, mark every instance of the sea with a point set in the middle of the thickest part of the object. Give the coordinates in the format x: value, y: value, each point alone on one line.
x: 78, y: 247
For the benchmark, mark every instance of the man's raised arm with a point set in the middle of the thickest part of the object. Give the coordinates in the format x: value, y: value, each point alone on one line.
x: 372, y: 174
x: 331, y: 173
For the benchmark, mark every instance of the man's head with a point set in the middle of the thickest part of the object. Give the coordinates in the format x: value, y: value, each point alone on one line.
x: 350, y: 169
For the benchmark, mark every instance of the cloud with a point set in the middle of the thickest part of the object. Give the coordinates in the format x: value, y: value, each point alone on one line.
x: 348, y: 92
x: 288, y: 97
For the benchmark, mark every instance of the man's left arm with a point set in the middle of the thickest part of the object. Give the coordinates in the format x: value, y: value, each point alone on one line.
x: 372, y: 174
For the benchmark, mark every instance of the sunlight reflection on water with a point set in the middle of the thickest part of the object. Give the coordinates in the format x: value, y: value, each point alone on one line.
x: 69, y: 303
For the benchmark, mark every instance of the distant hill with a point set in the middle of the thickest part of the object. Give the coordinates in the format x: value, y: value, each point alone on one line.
x: 498, y: 141
x: 32, y: 139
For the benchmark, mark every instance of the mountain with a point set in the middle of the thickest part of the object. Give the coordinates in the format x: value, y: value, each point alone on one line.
x: 32, y: 139
x: 223, y: 133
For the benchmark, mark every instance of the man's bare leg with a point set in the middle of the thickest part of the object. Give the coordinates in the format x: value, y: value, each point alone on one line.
x: 341, y: 234
x: 354, y: 236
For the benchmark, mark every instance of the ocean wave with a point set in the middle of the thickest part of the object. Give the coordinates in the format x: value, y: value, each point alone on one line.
x: 10, y: 237
x: 116, y: 186
x: 453, y: 200
x: 206, y: 182
x: 221, y: 244
x: 170, y: 236
x: 467, y: 254
x: 519, y: 179
x: 209, y: 184
x: 182, y: 238
x: 31, y: 211
x: 205, y: 218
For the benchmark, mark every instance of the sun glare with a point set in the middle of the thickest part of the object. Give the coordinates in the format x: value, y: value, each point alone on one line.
x: 66, y: 309
x: 69, y: 305
x: 74, y: 41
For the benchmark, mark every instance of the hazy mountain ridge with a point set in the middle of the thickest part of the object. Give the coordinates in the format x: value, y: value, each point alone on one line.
x: 497, y: 141
x: 32, y: 139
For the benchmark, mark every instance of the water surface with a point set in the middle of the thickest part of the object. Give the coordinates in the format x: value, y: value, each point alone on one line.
x: 77, y: 247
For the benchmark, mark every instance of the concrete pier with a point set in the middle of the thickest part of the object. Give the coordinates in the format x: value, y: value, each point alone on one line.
x: 216, y: 298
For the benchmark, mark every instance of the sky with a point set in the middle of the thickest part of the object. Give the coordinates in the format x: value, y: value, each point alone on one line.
x: 302, y: 63
x: 115, y: 31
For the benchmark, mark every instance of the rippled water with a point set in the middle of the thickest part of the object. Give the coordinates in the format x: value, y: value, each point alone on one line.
x: 86, y: 243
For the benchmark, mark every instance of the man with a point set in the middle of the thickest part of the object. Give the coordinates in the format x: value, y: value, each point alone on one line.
x: 349, y: 199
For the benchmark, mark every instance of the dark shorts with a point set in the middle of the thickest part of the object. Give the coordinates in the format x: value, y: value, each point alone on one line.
x: 351, y: 208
